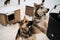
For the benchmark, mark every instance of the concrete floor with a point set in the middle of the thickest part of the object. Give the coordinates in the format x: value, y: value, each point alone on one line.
x: 9, y: 32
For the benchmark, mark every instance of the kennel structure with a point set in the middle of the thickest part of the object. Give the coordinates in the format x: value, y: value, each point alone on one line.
x: 9, y: 15
x: 29, y: 10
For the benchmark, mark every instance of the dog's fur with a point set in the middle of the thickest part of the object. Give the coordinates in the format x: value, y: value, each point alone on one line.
x: 37, y: 25
x: 39, y: 17
x: 25, y: 29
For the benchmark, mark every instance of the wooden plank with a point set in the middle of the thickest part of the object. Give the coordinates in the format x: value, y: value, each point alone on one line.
x: 2, y: 19
x: 29, y: 10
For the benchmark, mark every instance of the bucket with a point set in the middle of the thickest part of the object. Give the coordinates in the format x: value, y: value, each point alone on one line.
x: 53, y: 31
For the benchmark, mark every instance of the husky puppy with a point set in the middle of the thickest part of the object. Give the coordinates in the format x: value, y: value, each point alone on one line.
x: 39, y: 16
x: 25, y: 29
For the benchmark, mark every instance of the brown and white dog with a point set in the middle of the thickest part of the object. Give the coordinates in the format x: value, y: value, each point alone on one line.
x: 25, y: 29
x: 39, y: 17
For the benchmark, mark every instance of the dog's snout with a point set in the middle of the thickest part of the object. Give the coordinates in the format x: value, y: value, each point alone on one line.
x: 48, y: 9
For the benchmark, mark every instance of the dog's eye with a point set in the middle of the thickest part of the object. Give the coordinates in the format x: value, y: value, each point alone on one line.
x: 41, y: 7
x: 26, y: 21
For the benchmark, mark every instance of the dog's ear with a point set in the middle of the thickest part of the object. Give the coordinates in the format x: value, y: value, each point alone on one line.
x: 42, y: 2
x: 25, y: 20
x: 36, y: 5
